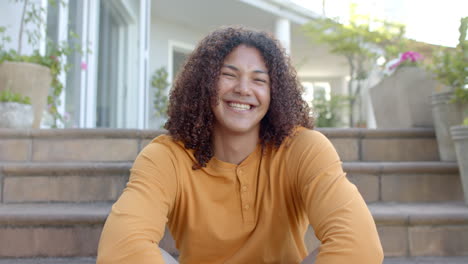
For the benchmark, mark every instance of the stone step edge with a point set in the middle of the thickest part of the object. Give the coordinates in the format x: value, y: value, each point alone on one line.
x: 63, y: 168
x: 92, y: 168
x: 151, y: 133
x: 447, y: 213
x: 424, y: 260
x: 72, y: 260
x: 387, y: 260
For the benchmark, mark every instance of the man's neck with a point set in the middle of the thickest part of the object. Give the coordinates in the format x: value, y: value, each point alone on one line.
x: 234, y: 148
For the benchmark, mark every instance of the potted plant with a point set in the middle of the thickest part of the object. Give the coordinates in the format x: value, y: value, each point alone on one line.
x: 448, y: 107
x: 460, y: 138
x: 405, y: 92
x: 15, y: 110
x: 34, y: 75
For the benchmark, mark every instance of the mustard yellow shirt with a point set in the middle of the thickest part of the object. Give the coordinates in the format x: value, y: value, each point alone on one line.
x: 254, y: 212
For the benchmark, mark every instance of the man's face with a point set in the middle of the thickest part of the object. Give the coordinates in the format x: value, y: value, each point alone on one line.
x: 243, y: 92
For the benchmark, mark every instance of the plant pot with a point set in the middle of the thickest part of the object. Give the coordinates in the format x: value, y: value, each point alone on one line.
x: 460, y: 138
x: 446, y: 114
x: 28, y: 79
x: 402, y: 100
x: 16, y: 115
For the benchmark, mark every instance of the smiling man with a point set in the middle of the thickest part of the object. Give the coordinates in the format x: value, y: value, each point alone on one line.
x: 241, y: 174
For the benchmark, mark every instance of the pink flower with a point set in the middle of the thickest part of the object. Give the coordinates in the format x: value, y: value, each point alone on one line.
x: 66, y: 117
x: 411, y: 56
x: 84, y: 66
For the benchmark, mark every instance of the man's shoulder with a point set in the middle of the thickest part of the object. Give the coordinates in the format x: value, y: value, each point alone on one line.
x: 305, y: 137
x: 302, y: 141
x: 166, y: 145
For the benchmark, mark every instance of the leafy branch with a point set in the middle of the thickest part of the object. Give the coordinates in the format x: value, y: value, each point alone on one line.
x: 360, y: 42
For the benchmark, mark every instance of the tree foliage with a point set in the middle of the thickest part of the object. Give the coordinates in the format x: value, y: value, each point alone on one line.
x: 327, y: 112
x: 450, y: 66
x: 361, y: 41
x: 160, y: 84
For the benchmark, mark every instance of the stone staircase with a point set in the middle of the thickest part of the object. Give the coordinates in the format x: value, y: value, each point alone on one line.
x: 57, y: 186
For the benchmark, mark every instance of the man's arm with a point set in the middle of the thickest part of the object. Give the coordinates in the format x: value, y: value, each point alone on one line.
x: 335, y: 208
x: 137, y: 221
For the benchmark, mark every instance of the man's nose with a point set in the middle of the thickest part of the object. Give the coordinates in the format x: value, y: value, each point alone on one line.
x: 243, y: 87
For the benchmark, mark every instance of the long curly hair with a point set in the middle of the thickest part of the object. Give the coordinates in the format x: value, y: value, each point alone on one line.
x: 191, y: 119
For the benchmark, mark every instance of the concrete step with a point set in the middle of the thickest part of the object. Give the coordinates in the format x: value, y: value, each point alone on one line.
x: 417, y: 229
x: 73, y: 230
x: 417, y: 260
x: 426, y: 260
x: 51, y: 230
x: 406, y: 181
x: 104, y: 181
x: 358, y: 144
x: 107, y: 145
x: 48, y: 261
x: 422, y: 229
x: 62, y: 182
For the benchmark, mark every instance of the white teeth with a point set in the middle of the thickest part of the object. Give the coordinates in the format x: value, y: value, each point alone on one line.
x: 239, y: 106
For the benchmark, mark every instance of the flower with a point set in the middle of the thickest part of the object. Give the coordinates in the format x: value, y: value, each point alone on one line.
x: 407, y: 58
x: 84, y: 66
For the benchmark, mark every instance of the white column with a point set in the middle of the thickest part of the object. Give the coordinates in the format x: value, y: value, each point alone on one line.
x: 62, y: 37
x: 88, y: 84
x: 283, y: 33
x: 143, y: 91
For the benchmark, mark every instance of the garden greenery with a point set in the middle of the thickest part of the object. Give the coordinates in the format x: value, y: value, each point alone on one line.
x: 160, y: 83
x: 361, y: 41
x: 53, y: 58
x: 328, y: 112
x: 450, y: 66
x: 8, y: 96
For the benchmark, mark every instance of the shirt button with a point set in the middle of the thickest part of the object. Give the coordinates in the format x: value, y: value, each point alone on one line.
x: 246, y: 207
x: 244, y: 188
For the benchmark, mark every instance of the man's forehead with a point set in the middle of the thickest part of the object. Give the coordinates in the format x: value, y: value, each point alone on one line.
x: 234, y: 68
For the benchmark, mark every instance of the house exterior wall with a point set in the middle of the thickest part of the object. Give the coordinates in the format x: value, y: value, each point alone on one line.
x: 162, y: 33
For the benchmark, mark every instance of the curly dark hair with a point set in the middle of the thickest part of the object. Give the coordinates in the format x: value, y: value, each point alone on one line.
x: 190, y: 113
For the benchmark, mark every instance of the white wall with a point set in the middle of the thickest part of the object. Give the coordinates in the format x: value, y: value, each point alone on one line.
x: 161, y: 33
x: 337, y: 84
x: 10, y: 17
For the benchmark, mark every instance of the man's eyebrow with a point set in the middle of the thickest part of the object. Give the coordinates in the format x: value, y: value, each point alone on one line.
x: 234, y: 68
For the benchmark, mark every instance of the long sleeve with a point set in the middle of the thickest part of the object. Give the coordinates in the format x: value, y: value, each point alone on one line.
x: 137, y: 220
x: 335, y: 208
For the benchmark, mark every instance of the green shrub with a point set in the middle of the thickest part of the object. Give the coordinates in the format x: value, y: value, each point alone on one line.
x: 8, y: 96
x: 328, y: 112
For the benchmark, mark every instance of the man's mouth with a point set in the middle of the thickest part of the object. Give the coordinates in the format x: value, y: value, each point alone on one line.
x: 239, y: 106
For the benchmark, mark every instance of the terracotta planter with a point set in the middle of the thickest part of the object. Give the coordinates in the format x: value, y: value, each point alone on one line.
x: 460, y: 138
x: 446, y: 114
x: 28, y: 79
x: 402, y: 100
x: 16, y: 115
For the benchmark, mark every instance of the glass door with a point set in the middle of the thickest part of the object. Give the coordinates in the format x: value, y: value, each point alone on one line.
x: 119, y: 64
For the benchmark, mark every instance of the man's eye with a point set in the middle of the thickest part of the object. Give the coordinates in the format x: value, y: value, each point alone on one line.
x: 260, y: 80
x: 228, y: 74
